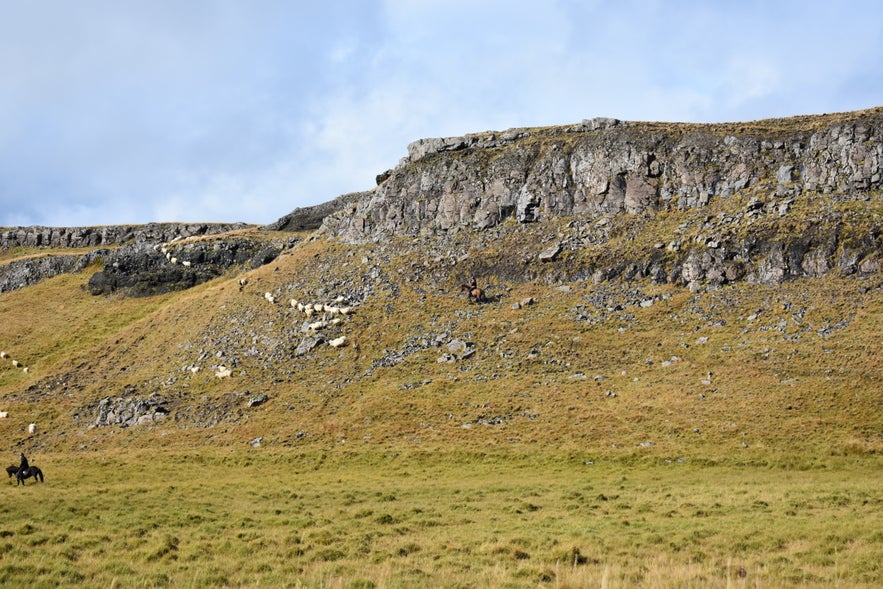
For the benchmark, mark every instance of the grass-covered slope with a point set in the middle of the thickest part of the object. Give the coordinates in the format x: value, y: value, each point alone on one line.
x: 747, y: 371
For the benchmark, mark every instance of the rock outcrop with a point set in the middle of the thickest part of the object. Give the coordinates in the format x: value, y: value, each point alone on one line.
x: 141, y: 269
x: 121, y: 245
x: 603, y: 169
x: 310, y: 218
x: 108, y: 235
x: 597, y: 169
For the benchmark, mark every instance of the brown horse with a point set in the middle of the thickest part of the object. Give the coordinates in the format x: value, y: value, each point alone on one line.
x: 474, y: 293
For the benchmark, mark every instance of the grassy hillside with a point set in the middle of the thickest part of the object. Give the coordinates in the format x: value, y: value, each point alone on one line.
x: 746, y: 372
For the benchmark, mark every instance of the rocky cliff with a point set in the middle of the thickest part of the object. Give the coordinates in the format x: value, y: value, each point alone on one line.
x: 694, y: 204
x: 766, y: 201
x: 108, y: 235
x: 120, y: 247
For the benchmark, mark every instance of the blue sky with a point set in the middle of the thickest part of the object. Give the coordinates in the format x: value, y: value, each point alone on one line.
x: 220, y: 110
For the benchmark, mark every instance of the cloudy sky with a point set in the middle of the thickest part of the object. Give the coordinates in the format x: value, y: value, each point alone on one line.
x: 241, y: 110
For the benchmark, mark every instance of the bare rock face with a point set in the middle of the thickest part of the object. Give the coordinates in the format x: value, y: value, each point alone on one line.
x: 140, y: 269
x: 310, y: 218
x: 135, y: 250
x: 604, y: 169
x: 608, y: 168
x: 107, y: 235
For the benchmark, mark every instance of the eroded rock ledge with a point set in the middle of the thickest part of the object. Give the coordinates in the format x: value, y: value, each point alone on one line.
x: 605, y: 168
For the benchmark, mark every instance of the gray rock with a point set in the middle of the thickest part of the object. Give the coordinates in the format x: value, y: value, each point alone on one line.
x: 257, y: 400
x: 307, y: 345
x: 550, y: 253
x: 457, y: 346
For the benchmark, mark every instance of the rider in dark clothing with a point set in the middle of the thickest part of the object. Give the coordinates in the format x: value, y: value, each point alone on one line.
x: 24, y: 463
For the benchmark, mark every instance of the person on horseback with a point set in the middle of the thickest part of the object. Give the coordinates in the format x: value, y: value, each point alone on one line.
x: 23, y: 467
x: 472, y: 291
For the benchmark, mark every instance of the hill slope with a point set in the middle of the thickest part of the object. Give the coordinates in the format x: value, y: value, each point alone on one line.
x: 707, y: 307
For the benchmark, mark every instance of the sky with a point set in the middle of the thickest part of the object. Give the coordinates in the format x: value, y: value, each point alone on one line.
x: 138, y: 111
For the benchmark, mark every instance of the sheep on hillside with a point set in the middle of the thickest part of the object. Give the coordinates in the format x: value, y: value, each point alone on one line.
x: 318, y: 325
x: 4, y: 355
x: 270, y: 298
x: 32, y: 428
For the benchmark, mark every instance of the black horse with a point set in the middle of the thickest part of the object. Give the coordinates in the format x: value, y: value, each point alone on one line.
x: 11, y: 469
x: 27, y: 473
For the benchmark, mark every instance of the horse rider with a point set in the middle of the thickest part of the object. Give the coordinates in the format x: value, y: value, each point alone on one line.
x: 24, y: 464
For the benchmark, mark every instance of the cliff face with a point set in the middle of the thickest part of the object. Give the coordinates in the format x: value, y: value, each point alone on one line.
x: 603, y: 168
x: 108, y: 235
x: 698, y: 205
x: 127, y: 251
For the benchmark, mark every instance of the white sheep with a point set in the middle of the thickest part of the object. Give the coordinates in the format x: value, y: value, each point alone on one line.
x: 338, y: 342
x: 4, y: 414
x: 16, y: 364
x: 194, y: 369
x: 186, y: 263
x: 270, y: 298
x: 300, y: 307
x: 32, y: 428
x: 243, y: 281
x: 346, y: 310
x: 223, y: 372
x: 174, y: 260
x: 25, y: 369
x: 318, y: 325
x: 293, y: 303
x: 308, y: 311
x: 4, y: 355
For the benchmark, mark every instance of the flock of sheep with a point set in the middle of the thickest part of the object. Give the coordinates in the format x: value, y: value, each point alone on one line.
x: 164, y: 249
x: 15, y: 363
x: 330, y: 315
x: 326, y: 315
x: 32, y: 428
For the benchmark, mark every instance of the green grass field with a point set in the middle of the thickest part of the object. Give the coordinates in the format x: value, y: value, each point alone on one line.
x: 214, y: 518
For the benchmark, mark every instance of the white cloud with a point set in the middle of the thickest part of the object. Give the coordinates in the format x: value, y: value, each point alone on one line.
x: 160, y: 110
